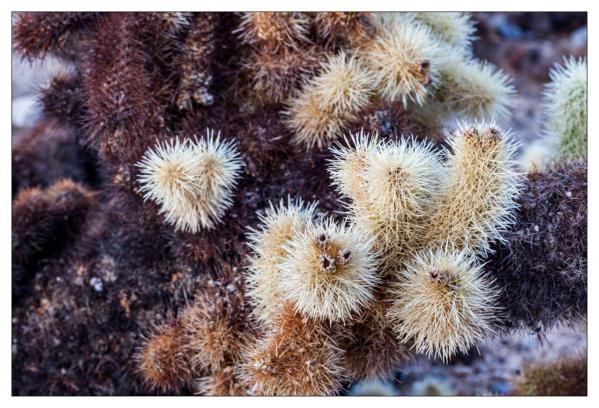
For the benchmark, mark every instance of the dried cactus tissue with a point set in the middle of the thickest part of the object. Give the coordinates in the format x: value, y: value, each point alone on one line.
x: 299, y: 203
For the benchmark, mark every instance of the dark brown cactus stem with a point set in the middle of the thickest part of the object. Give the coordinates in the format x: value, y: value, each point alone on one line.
x: 45, y: 221
x: 123, y: 115
x: 197, y: 62
x: 38, y: 34
x: 63, y: 100
x: 541, y: 269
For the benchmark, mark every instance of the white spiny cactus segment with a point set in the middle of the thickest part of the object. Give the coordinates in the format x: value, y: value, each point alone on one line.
x: 477, y: 201
x: 329, y: 271
x: 565, y: 105
x: 329, y: 101
x: 404, y: 59
x: 278, y: 225
x: 442, y: 302
x: 191, y: 180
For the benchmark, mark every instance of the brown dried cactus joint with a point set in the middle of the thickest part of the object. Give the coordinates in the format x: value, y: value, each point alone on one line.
x: 181, y: 308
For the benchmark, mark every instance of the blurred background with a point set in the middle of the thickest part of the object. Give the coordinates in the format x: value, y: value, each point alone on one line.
x: 524, y: 45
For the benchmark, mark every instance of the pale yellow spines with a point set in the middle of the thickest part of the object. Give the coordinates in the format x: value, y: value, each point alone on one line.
x: 404, y: 59
x: 192, y: 181
x: 391, y: 187
x: 477, y: 198
x: 474, y: 89
x: 329, y: 271
x: 402, y: 181
x: 274, y: 30
x: 565, y: 105
x: 347, y: 167
x: 330, y: 101
x: 295, y: 357
x: 279, y: 224
x: 441, y: 302
x: 454, y: 28
x: 385, y: 21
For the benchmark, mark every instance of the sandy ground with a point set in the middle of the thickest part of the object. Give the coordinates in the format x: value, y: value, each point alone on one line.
x: 499, y: 365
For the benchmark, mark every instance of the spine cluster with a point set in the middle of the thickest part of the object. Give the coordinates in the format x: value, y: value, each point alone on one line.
x: 190, y: 180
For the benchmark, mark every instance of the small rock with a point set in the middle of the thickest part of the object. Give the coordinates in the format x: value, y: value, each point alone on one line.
x: 96, y: 284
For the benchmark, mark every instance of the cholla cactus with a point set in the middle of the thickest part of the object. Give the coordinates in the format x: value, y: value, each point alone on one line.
x: 225, y: 382
x: 196, y: 61
x: 276, y: 77
x: 372, y: 349
x: 405, y: 61
x: 391, y: 186
x: 418, y: 252
x: 160, y: 359
x: 329, y: 101
x: 473, y: 89
x: 191, y: 180
x: 565, y: 377
x: 350, y: 163
x: 344, y: 28
x: 38, y: 216
x: 565, y: 111
x: 566, y: 107
x: 274, y: 30
x: 38, y: 34
x: 455, y: 29
x: 477, y: 198
x: 296, y: 357
x: 442, y: 302
x: 279, y: 225
x: 213, y: 327
x: 328, y: 271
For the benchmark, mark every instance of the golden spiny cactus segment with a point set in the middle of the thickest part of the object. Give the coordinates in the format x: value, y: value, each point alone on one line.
x: 191, y: 181
x: 566, y: 107
x: 274, y: 30
x: 474, y: 89
x: 391, y: 187
x: 296, y: 357
x: 455, y: 29
x: 278, y: 225
x: 329, y: 271
x: 214, y: 328
x: 330, y: 101
x: 477, y: 199
x: 161, y: 360
x: 404, y: 60
x: 224, y: 382
x: 276, y: 76
x: 441, y: 302
x: 372, y: 350
x: 347, y: 28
